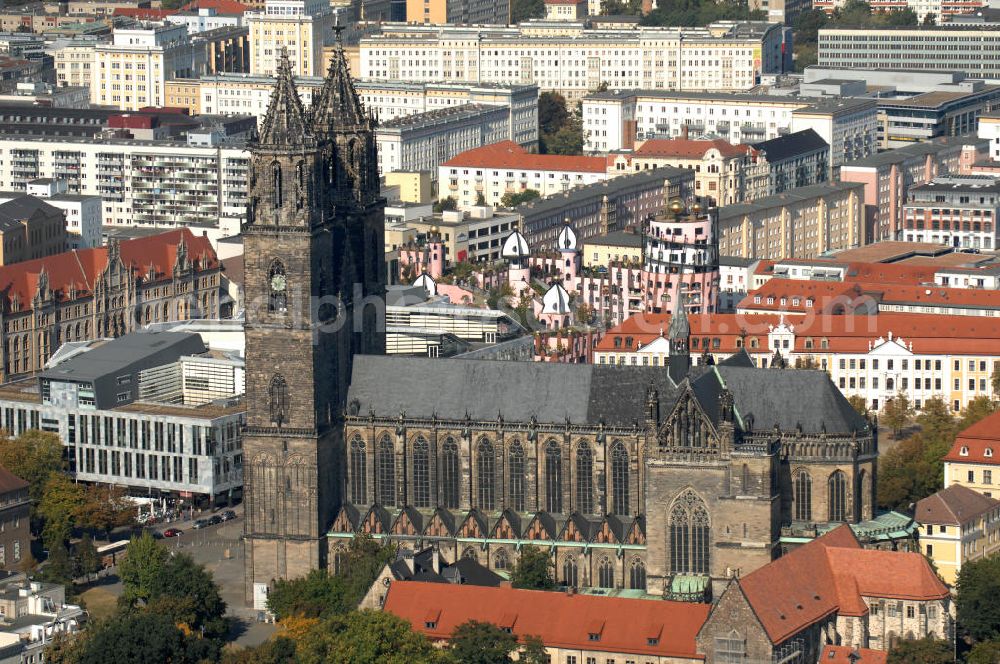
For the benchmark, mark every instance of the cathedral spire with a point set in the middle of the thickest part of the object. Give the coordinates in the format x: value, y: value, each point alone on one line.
x: 338, y: 105
x: 285, y: 124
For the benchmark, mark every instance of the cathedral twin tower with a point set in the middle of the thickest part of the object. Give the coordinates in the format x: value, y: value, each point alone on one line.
x: 314, y: 272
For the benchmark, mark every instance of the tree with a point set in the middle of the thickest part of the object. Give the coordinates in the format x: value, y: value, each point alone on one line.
x: 513, y: 199
x: 552, y: 113
x: 33, y: 456
x: 87, y: 559
x: 978, y: 598
x: 984, y: 652
x: 480, y: 199
x: 277, y: 650
x: 105, y: 508
x: 533, y: 651
x: 979, y: 408
x: 64, y: 648
x: 930, y: 19
x: 922, y: 651
x: 567, y: 140
x: 445, y: 204
x: 533, y: 570
x: 906, y: 474
x: 522, y: 10
x: 135, y: 638
x: 858, y: 403
x: 366, y: 637
x: 61, y: 499
x: 897, y: 413
x: 142, y: 570
x: 475, y: 642
x: 59, y: 567
x: 321, y: 595
x: 187, y: 593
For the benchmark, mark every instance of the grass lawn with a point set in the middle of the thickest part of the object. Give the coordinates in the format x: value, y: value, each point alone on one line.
x: 100, y: 602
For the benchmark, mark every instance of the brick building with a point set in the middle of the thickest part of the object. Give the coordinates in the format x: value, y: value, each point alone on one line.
x: 15, y: 511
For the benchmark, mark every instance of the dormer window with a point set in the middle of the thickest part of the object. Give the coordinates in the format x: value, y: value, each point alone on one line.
x: 593, y: 636
x: 988, y: 453
x: 964, y: 451
x: 795, y: 301
x: 756, y: 299
x: 770, y: 300
x: 430, y: 625
x: 809, y: 303
x: 653, y: 641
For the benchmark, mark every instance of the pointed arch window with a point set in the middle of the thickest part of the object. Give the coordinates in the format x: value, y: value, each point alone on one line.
x: 619, y: 479
x: 277, y: 398
x: 277, y: 284
x: 803, y: 496
x: 515, y: 471
x: 605, y: 573
x: 500, y: 560
x: 553, y: 477
x: 449, y: 473
x: 421, y: 473
x: 359, y: 471
x: 277, y: 195
x: 570, y: 573
x: 690, y: 534
x: 584, y: 479
x: 486, y: 475
x: 300, y: 176
x: 637, y: 574
x: 837, y: 490
x: 386, y: 467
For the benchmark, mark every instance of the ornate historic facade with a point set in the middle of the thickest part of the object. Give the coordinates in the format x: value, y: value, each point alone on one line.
x: 668, y: 479
x: 103, y: 292
x: 314, y: 278
x: 632, y: 479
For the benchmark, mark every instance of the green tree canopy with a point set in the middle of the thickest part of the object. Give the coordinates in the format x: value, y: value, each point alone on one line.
x: 906, y: 474
x: 984, y: 652
x: 475, y: 642
x: 533, y: 570
x: 897, y: 413
x: 522, y: 10
x: 922, y: 651
x: 366, y: 637
x: 552, y: 113
x: 136, y: 638
x: 187, y: 593
x: 33, y: 456
x: 978, y: 598
x: 513, y: 199
x: 445, y: 204
x: 87, y: 559
x: 858, y: 403
x: 142, y: 570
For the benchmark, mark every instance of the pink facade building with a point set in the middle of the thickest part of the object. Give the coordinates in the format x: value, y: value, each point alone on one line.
x: 426, y: 256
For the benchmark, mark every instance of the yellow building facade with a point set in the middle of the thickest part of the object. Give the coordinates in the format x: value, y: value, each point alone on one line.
x: 955, y: 526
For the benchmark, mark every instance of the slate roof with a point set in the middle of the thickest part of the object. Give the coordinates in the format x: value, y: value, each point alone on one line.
x: 955, y: 505
x: 10, y: 482
x: 551, y: 392
x: 14, y: 211
x: 790, y: 146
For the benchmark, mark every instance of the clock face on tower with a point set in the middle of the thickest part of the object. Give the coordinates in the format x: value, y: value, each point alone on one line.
x: 278, y: 283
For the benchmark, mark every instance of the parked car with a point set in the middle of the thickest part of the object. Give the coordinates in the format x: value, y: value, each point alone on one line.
x: 215, y: 519
x: 172, y: 532
x: 228, y: 515
x: 200, y: 523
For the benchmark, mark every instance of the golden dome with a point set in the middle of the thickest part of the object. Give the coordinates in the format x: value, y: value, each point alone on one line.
x: 676, y: 206
x: 696, y: 208
x: 434, y: 230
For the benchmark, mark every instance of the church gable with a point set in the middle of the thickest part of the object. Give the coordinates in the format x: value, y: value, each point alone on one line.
x: 441, y: 524
x: 637, y: 532
x: 576, y: 529
x: 347, y: 520
x: 690, y: 424
x: 506, y: 526
x: 376, y: 522
x: 541, y: 527
x: 610, y: 531
x: 474, y: 525
x: 409, y: 522
x: 732, y: 624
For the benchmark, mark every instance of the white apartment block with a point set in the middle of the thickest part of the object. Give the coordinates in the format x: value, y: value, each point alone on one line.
x: 573, y: 60
x: 157, y: 184
x: 422, y: 142
x: 615, y: 120
x: 204, y: 19
x: 74, y: 61
x: 989, y: 129
x: 83, y: 212
x: 301, y: 27
x: 249, y: 94
x: 498, y: 169
x: 131, y: 71
x: 970, y: 49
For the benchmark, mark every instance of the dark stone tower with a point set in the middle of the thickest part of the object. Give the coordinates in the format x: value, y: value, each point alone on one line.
x: 304, y: 243
x: 678, y: 333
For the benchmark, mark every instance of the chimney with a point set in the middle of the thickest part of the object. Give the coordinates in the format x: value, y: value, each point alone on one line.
x: 684, y: 132
x: 505, y: 584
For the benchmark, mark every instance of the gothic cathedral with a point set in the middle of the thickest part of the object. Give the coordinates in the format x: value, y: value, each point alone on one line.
x: 315, y: 273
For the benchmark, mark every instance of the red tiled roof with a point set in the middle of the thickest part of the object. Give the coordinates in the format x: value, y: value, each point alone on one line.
x: 825, y: 294
x: 842, y: 655
x: 688, y: 148
x: 982, y: 436
x: 560, y: 619
x: 508, y: 154
x: 143, y: 13
x: 937, y: 334
x: 830, y: 575
x: 152, y: 258
x: 220, y: 6
x: 955, y: 505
